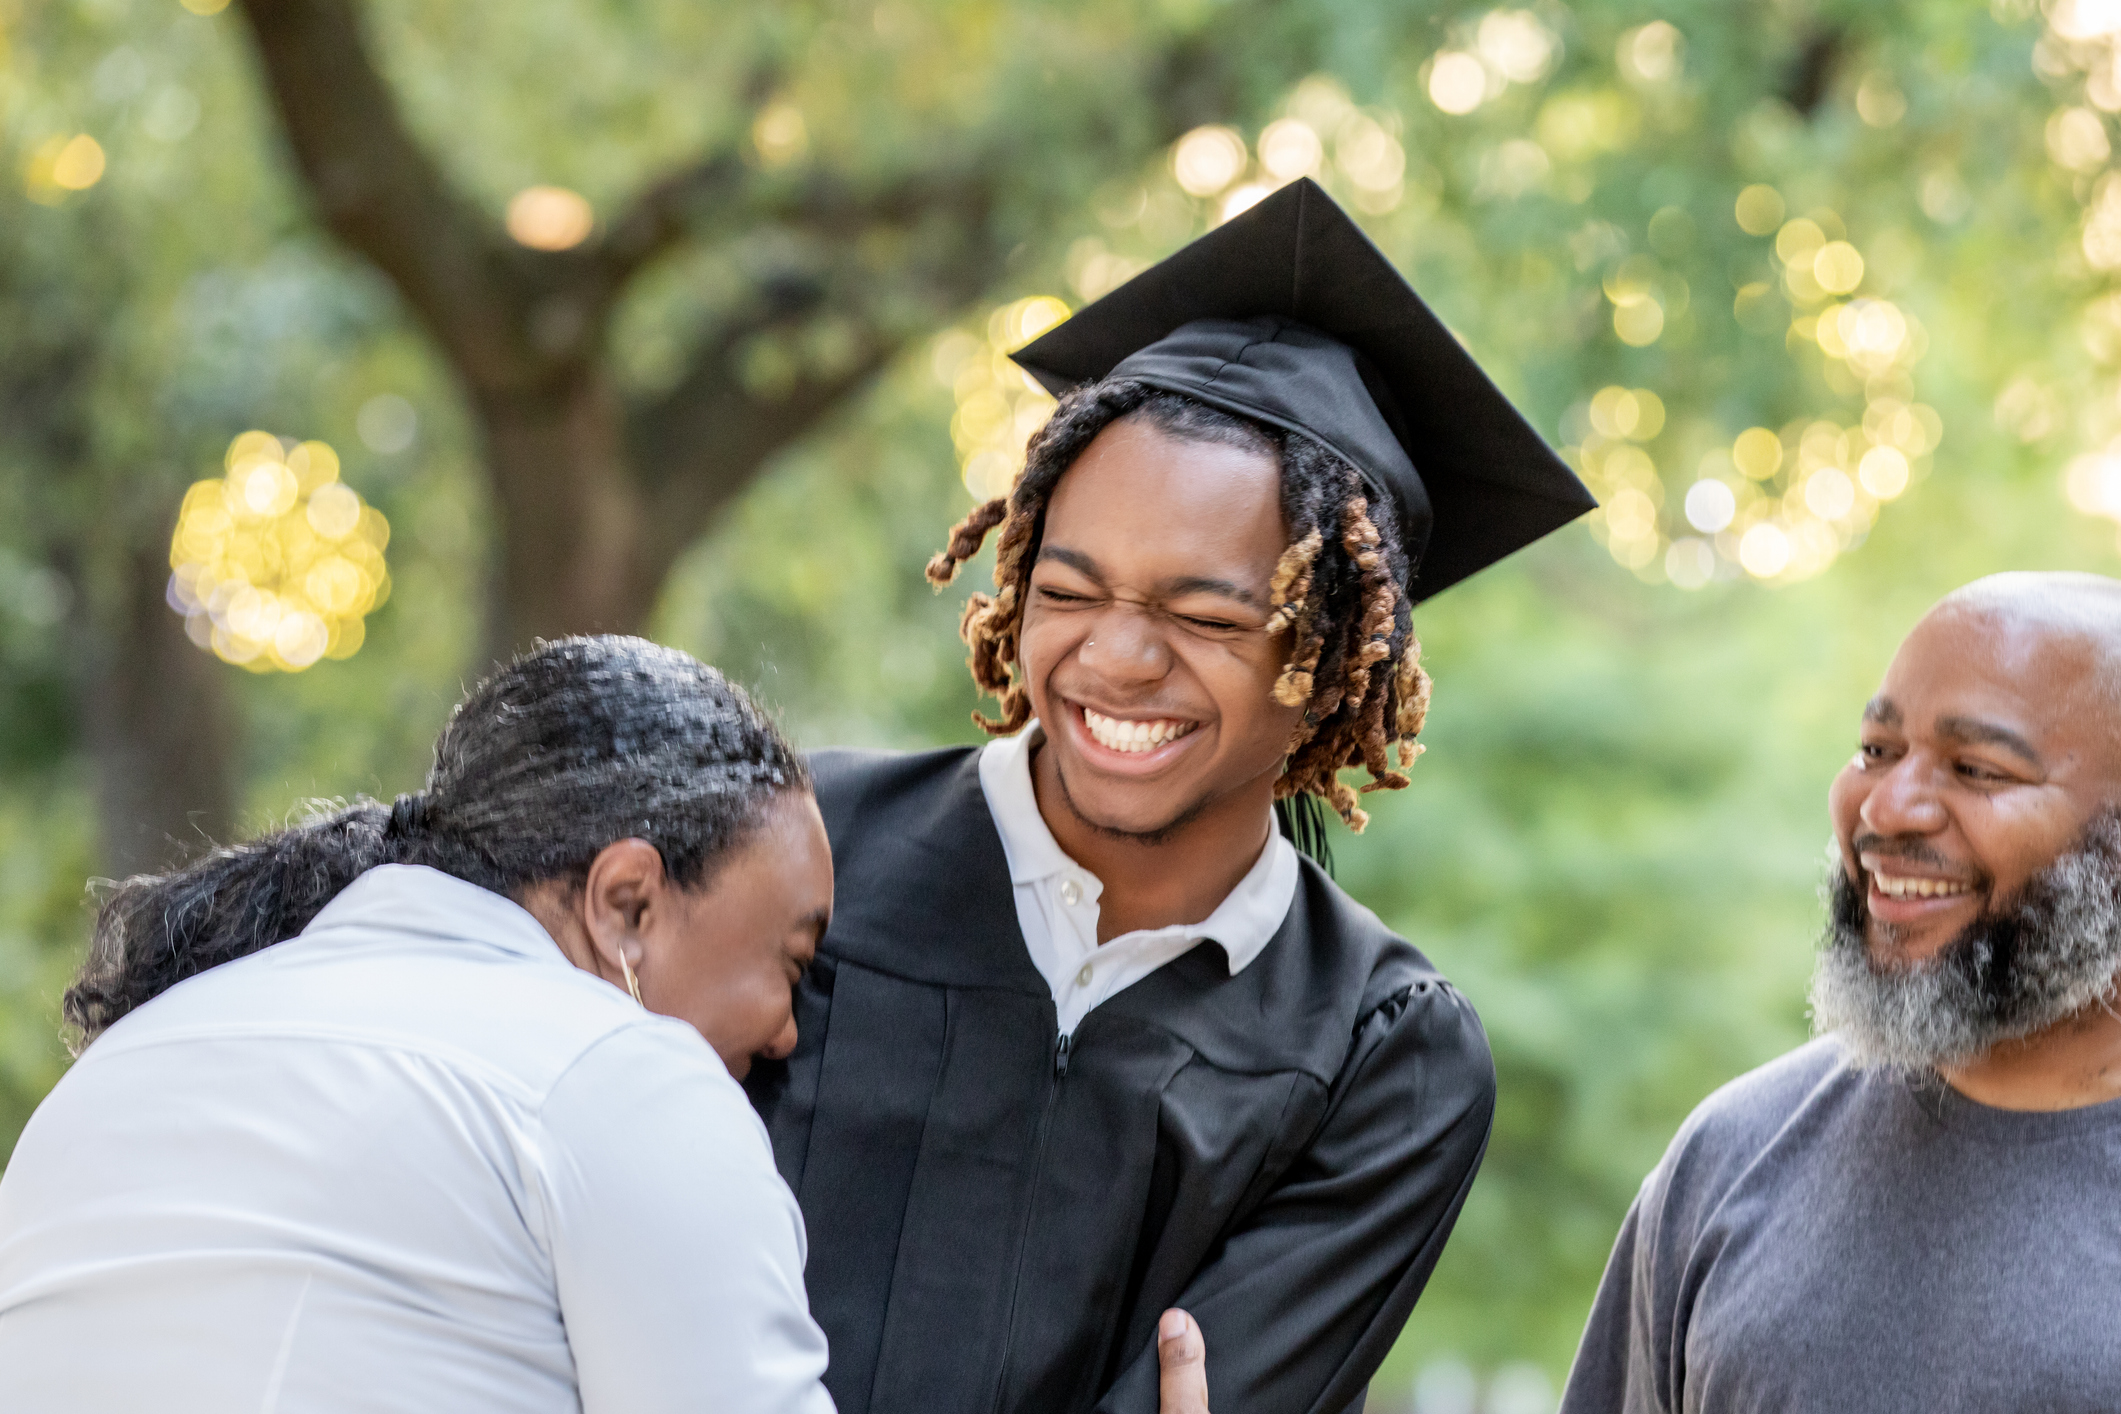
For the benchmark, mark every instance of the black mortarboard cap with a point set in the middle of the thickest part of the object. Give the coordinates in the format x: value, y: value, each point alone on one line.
x: 1287, y: 314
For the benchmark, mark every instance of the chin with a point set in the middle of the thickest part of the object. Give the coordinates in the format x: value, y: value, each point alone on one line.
x: 1122, y: 812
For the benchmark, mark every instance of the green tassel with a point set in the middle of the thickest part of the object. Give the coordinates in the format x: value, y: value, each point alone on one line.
x: 1302, y: 820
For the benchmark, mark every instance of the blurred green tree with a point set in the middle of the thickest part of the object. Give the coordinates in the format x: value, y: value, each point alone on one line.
x: 1635, y: 219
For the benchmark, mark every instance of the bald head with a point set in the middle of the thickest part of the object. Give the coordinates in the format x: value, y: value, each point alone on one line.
x: 1993, y: 743
x: 2055, y: 632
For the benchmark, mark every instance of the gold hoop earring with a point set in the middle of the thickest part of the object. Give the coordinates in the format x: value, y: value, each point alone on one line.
x: 633, y: 983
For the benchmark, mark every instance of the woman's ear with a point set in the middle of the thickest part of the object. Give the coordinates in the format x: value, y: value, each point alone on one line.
x: 619, y: 901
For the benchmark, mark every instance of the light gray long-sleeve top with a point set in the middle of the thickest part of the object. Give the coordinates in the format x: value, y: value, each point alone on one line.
x: 413, y: 1159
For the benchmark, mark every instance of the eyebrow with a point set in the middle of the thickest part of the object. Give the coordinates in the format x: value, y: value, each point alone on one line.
x: 1882, y: 711
x: 1988, y: 733
x: 1184, y: 584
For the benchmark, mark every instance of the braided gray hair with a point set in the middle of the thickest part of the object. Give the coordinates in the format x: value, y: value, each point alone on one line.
x: 574, y: 745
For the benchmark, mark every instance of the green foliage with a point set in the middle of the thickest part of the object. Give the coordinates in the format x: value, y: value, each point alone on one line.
x: 1613, y: 843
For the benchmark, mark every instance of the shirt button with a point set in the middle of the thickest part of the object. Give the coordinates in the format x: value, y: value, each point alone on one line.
x: 1082, y: 978
x: 1071, y: 892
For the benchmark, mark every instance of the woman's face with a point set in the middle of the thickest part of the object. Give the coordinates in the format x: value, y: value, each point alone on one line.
x: 726, y: 957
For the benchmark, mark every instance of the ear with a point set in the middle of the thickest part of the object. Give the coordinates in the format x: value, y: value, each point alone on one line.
x: 625, y: 888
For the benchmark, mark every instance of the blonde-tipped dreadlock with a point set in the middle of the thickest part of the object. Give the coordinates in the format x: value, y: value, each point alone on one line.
x: 1353, y: 662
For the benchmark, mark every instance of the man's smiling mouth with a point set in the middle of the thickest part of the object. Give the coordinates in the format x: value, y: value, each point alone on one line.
x: 1908, y: 886
x: 1116, y: 734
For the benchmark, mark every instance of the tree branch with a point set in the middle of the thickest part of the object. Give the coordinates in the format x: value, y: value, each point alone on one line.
x: 381, y: 193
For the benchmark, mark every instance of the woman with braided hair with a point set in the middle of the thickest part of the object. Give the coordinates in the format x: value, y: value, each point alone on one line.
x: 1087, y: 1036
x: 432, y: 1106
x: 409, y: 1107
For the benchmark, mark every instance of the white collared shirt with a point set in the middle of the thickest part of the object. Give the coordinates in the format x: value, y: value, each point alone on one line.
x: 411, y: 1159
x: 1056, y: 898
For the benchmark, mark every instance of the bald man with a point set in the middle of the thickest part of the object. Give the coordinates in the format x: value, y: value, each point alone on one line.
x: 1921, y: 1209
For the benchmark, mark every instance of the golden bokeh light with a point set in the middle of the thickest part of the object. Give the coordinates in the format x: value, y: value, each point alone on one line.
x: 549, y: 218
x: 79, y: 164
x: 1458, y: 82
x: 1290, y: 148
x: 2076, y: 139
x: 999, y: 405
x: 1370, y: 154
x: 276, y: 564
x: 1241, y: 199
x: 1764, y: 550
x: 1757, y: 452
x: 1883, y: 472
x: 779, y: 133
x: 1651, y: 53
x: 63, y: 165
x: 1759, y: 210
x: 1638, y: 320
x: 1838, y: 267
x: 204, y: 7
x: 1627, y: 414
x: 1208, y: 159
x: 1517, y: 45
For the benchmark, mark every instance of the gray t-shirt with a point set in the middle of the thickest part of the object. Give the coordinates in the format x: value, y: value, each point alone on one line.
x: 1819, y: 1238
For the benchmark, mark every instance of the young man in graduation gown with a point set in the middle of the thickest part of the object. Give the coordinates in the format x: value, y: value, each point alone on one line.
x: 1088, y: 1037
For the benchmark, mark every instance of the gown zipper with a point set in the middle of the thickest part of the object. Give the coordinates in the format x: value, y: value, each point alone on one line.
x: 1061, y: 1049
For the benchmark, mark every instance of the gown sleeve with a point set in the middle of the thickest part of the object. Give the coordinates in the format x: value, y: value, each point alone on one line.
x: 1306, y: 1295
x: 676, y: 1248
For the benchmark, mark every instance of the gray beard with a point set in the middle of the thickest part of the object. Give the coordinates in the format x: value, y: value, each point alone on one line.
x: 2044, y: 956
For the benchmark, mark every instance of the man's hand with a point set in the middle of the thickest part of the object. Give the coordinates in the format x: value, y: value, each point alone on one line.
x: 1184, y: 1357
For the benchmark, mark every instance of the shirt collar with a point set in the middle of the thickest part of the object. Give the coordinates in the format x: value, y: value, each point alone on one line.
x: 412, y: 898
x: 1243, y: 923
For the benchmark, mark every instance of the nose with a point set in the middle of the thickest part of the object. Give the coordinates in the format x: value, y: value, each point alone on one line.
x: 782, y: 1045
x: 1903, y: 799
x: 1126, y: 646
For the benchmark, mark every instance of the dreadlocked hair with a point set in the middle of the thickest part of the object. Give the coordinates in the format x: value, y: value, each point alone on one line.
x: 1353, y: 664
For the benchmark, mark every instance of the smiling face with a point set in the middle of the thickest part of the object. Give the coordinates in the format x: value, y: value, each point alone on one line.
x: 1988, y: 749
x: 1144, y: 643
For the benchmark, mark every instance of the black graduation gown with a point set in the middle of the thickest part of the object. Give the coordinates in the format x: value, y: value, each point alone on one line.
x: 996, y: 1222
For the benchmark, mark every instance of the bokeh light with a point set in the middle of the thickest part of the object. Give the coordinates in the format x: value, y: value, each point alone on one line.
x: 1710, y: 505
x: 63, y: 165
x: 999, y: 405
x: 549, y: 218
x: 2076, y: 139
x: 1242, y: 198
x: 1760, y: 210
x: 1458, y: 81
x: 1764, y: 550
x: 276, y: 564
x: 1651, y: 53
x: 1208, y: 159
x: 1690, y: 563
x: 1517, y: 45
x: 1290, y: 148
x: 779, y: 134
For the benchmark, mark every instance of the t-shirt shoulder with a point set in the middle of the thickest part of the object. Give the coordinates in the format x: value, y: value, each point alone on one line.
x: 1732, y: 1127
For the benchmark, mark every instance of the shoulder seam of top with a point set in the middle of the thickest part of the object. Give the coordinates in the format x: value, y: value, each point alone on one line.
x: 645, y: 1022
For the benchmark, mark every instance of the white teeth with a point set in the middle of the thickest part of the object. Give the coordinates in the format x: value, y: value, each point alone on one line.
x: 1895, y: 887
x: 1131, y: 737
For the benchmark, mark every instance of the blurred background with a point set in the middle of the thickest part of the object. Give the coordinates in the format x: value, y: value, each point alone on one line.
x: 346, y: 344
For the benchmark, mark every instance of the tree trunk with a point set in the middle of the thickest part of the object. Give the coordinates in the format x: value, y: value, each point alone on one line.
x: 158, y: 725
x: 573, y: 546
